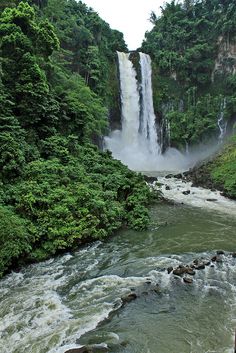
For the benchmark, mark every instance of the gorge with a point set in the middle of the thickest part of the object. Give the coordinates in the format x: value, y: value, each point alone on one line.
x: 93, y: 257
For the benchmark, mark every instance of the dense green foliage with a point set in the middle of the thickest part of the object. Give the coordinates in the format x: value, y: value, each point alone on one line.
x: 57, y: 189
x: 223, y: 169
x: 192, y: 45
x: 219, y: 171
x: 15, y: 240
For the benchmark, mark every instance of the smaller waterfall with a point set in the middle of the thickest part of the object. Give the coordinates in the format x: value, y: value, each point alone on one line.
x: 222, y: 124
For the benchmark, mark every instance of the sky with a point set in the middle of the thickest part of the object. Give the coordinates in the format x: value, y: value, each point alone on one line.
x: 128, y: 16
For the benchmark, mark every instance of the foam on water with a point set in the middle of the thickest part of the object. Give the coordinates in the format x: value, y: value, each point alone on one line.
x: 53, y: 307
x: 198, y: 197
x: 49, y: 306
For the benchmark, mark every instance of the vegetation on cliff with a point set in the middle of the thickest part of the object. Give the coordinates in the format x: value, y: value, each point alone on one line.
x: 56, y: 188
x: 223, y: 169
x: 219, y: 172
x: 192, y: 45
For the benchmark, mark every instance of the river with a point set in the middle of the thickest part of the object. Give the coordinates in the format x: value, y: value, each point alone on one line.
x: 62, y: 303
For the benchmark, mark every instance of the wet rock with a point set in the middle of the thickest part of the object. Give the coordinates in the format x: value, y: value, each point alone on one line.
x: 207, y: 263
x: 80, y: 350
x: 169, y: 176
x: 234, y: 254
x: 178, y: 176
x: 212, y: 200
x: 216, y: 258
x: 191, y: 272
x: 220, y: 252
x: 179, y: 271
x: 169, y: 269
x: 150, y: 179
x: 128, y: 298
x: 148, y: 282
x: 188, y: 280
x: 186, y: 192
x: 168, y: 187
x: 196, y: 262
x: 200, y: 267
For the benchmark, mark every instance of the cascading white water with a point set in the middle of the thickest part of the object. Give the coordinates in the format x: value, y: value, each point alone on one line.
x: 222, y: 124
x: 129, y: 100
x: 147, y: 122
x: 136, y: 144
x: 140, y: 141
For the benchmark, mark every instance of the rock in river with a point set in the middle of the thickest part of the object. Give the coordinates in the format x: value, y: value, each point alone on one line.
x: 128, y: 298
x: 80, y: 350
x: 188, y: 280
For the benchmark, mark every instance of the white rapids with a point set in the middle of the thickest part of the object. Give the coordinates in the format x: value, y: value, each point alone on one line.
x: 173, y: 188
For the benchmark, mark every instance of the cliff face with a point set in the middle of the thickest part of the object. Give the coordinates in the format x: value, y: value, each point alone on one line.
x: 225, y: 62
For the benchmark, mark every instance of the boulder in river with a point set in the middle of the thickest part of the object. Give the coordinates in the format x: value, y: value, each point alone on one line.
x: 183, y: 269
x: 179, y: 271
x: 212, y: 200
x: 200, y: 267
x: 188, y: 280
x: 169, y: 176
x: 191, y: 272
x: 128, y: 298
x: 168, y: 187
x: 80, y: 350
x: 186, y: 192
x: 178, y: 176
x: 216, y: 258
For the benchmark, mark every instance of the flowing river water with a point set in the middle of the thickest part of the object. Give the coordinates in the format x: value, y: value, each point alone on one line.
x: 63, y: 303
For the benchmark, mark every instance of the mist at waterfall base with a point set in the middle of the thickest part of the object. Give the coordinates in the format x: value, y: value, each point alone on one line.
x: 138, y: 157
x: 137, y: 144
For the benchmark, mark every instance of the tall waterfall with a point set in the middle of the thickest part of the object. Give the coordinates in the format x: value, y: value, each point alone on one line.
x: 136, y: 144
x: 140, y: 141
x: 130, y: 110
x: 147, y: 121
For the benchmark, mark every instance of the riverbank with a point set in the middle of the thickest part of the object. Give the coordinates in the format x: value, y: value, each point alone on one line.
x: 57, y: 305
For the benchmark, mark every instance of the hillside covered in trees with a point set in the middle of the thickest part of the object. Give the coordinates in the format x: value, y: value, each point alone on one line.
x: 57, y: 86
x: 58, y: 93
x: 193, y: 47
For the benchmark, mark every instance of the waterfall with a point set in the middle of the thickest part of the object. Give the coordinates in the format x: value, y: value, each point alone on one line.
x: 148, y: 119
x: 222, y: 124
x: 136, y: 144
x: 130, y: 110
x: 140, y: 142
